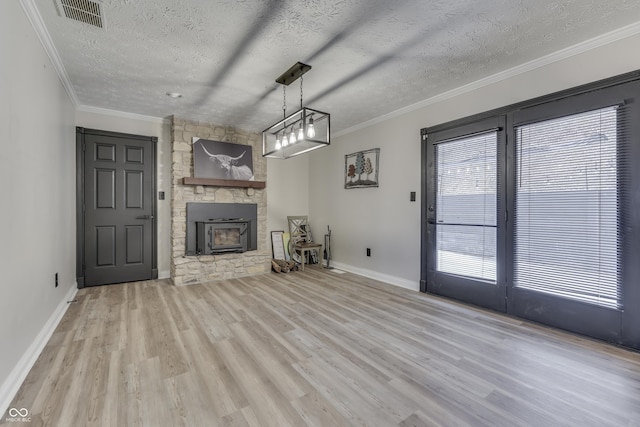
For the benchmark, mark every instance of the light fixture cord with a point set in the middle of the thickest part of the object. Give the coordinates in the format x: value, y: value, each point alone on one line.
x: 284, y: 101
x: 301, y: 92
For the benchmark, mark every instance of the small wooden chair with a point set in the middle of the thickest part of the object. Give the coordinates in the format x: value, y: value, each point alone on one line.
x: 301, y: 241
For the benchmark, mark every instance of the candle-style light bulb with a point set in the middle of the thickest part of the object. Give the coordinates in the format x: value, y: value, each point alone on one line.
x: 292, y: 136
x: 311, y: 132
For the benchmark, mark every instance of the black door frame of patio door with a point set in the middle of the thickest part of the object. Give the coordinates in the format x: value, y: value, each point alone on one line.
x: 480, y: 292
x: 619, y: 326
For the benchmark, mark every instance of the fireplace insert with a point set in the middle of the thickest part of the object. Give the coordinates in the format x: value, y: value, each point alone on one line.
x: 222, y: 235
x: 206, y: 223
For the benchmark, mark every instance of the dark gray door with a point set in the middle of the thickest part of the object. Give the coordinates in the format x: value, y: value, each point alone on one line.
x: 118, y: 207
x: 463, y: 236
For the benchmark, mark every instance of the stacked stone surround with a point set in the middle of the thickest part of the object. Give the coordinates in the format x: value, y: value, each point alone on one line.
x: 204, y: 268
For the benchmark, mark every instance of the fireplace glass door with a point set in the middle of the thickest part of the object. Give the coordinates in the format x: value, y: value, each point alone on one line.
x: 221, y: 236
x: 226, y: 237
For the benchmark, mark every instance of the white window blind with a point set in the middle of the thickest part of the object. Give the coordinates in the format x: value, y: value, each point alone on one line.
x: 466, y: 203
x: 566, y: 219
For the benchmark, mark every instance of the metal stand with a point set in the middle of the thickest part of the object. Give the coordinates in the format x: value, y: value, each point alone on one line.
x: 327, y: 248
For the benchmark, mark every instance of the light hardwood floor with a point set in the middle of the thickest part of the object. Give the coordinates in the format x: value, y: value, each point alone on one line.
x: 316, y: 348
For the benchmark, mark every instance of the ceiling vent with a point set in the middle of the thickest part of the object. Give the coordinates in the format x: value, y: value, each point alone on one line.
x: 86, y: 11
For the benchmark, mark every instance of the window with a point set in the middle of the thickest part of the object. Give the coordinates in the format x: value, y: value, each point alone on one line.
x: 567, y: 210
x: 466, y: 206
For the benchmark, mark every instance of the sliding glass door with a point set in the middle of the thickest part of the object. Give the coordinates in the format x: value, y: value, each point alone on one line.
x: 567, y: 214
x: 462, y: 214
x: 536, y: 211
x: 571, y: 164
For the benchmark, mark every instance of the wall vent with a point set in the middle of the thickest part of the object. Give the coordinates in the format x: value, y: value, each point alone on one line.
x: 86, y: 11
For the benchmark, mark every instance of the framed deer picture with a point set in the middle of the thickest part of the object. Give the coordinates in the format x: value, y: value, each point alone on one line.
x: 222, y: 160
x: 361, y: 169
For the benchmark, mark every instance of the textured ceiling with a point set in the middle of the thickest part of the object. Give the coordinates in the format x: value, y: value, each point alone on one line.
x: 369, y: 57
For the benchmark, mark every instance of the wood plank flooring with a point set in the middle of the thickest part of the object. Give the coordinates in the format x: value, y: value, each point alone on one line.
x: 316, y: 348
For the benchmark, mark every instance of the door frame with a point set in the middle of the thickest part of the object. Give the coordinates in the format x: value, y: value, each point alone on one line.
x: 588, y: 319
x: 482, y: 293
x: 80, y: 199
x: 520, y: 302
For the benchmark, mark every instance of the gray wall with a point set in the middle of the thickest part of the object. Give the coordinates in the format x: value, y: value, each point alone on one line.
x: 383, y: 218
x: 37, y: 175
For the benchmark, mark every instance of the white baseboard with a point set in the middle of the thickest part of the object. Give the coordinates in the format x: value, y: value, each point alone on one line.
x: 386, y: 278
x: 165, y: 274
x: 12, y: 384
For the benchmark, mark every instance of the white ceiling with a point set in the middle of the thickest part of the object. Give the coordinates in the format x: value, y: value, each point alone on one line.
x: 369, y: 57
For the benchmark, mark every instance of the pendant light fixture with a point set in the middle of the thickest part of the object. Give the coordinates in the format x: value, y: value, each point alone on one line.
x: 300, y: 132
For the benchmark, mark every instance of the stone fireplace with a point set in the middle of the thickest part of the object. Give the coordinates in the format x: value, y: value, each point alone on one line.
x: 218, y: 254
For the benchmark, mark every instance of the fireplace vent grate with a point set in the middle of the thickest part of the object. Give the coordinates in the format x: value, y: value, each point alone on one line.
x: 85, y: 11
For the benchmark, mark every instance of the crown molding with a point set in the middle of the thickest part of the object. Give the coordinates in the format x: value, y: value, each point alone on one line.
x: 122, y: 114
x: 37, y: 23
x: 585, y: 46
x: 621, y: 33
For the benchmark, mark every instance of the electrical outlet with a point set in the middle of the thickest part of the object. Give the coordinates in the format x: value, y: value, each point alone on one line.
x: 56, y: 280
x: 368, y: 251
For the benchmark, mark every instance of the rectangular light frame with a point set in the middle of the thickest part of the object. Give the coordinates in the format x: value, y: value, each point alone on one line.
x: 322, y: 125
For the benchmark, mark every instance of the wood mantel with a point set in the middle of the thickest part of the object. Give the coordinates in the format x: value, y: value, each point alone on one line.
x: 212, y: 182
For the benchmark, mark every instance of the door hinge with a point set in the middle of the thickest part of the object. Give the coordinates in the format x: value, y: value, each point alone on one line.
x: 84, y: 147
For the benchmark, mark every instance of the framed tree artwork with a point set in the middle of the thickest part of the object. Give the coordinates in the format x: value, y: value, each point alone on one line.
x: 361, y: 169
